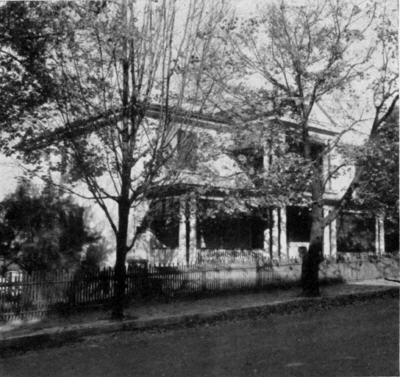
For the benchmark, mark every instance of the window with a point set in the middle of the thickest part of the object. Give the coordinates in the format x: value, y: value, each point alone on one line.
x: 298, y: 224
x: 187, y: 150
x: 250, y: 159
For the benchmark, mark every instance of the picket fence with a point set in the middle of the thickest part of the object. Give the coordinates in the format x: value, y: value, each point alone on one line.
x: 33, y: 295
x: 38, y: 293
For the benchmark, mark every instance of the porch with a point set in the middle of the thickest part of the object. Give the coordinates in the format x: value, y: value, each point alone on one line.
x: 186, y: 230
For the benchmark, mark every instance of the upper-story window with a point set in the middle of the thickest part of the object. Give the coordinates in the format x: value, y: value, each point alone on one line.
x: 187, y: 150
x: 319, y: 155
x: 251, y: 159
x: 295, y: 145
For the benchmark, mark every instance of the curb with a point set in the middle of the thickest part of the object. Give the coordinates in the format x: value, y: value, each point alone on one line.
x: 392, y: 279
x: 58, y: 336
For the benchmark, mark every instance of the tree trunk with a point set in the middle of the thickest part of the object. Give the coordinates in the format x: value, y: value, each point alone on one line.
x: 314, y: 255
x: 120, y: 269
x: 119, y: 283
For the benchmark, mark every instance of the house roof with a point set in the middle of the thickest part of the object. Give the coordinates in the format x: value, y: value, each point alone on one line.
x: 85, y: 126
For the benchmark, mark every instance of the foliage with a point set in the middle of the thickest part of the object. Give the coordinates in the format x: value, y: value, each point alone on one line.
x: 103, y: 129
x: 40, y: 231
x: 95, y: 256
x: 288, y: 58
x: 27, y: 35
x: 124, y: 73
x: 282, y: 62
x: 355, y: 232
x: 295, y: 56
x: 378, y: 189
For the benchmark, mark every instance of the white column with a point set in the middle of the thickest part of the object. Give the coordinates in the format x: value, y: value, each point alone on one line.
x: 379, y: 235
x: 382, y: 235
x: 333, y: 231
x: 266, y: 156
x: 181, y: 257
x: 327, y: 235
x: 151, y: 256
x: 326, y: 166
x: 283, y: 234
x: 267, y: 238
x: 192, y: 229
x: 275, y: 234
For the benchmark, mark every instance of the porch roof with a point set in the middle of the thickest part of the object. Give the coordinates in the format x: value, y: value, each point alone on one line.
x: 254, y: 197
x: 180, y: 188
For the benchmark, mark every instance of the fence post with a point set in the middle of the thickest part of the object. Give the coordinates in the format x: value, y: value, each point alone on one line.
x: 258, y: 276
x: 203, y: 279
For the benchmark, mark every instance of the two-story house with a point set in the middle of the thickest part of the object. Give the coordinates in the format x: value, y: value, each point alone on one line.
x: 216, y: 207
x: 215, y: 204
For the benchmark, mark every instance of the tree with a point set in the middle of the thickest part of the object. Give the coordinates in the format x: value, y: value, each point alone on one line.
x: 126, y: 75
x: 378, y: 189
x: 39, y: 231
x: 27, y: 35
x: 304, y: 54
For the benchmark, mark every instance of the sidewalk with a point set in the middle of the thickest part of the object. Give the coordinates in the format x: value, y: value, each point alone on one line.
x: 140, y: 316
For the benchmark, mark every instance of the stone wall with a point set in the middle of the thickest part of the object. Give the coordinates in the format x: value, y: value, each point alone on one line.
x: 250, y: 275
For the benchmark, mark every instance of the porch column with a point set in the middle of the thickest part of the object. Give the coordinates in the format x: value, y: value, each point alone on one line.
x: 275, y: 234
x: 327, y: 235
x: 267, y: 155
x: 379, y: 235
x: 181, y: 257
x: 326, y: 167
x: 192, y: 229
x: 333, y: 231
x: 267, y: 238
x: 382, y: 234
x: 283, y: 233
x: 330, y: 242
x: 150, y: 253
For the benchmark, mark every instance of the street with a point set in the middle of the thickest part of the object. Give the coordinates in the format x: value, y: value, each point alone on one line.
x: 355, y: 340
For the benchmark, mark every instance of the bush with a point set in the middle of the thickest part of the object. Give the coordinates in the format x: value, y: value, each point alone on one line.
x: 96, y: 255
x: 41, y: 231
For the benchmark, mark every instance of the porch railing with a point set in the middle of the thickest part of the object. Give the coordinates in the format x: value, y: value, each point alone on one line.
x: 221, y: 256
